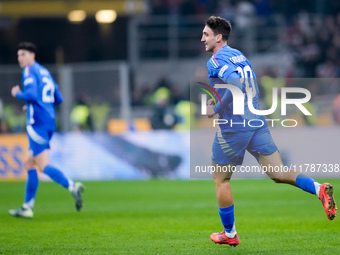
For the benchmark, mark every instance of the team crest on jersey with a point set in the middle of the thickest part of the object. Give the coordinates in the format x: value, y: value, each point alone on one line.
x: 221, y: 72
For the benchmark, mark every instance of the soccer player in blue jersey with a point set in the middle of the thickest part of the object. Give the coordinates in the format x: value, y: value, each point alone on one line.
x: 41, y: 93
x: 230, y: 66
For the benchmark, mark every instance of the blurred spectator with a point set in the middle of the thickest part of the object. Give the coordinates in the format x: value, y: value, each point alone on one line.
x: 268, y: 81
x: 162, y: 116
x: 315, y: 45
x: 15, y: 118
x: 309, y: 56
x: 141, y: 95
x: 326, y: 70
x: 163, y: 82
x: 177, y: 94
x: 81, y: 117
x: 4, y: 128
x: 185, y: 115
x: 99, y: 112
x: 324, y: 40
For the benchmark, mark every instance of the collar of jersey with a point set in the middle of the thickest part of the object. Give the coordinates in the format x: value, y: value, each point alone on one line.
x: 227, y: 46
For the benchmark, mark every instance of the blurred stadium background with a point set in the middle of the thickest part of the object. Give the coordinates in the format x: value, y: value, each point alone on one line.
x: 124, y: 68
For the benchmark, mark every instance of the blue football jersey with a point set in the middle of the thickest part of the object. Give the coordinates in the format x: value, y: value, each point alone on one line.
x: 226, y: 64
x: 41, y: 93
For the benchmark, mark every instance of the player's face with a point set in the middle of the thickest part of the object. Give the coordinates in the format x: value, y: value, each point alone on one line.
x: 209, y: 39
x: 25, y: 58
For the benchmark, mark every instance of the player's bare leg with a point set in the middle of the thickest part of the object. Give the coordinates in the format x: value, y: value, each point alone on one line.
x: 42, y: 160
x: 274, y: 160
x: 324, y: 191
x: 43, y: 163
x: 222, y: 183
x: 32, y: 182
x: 225, y: 202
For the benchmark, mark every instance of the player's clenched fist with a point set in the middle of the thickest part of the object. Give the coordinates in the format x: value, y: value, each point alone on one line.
x: 15, y: 90
x: 211, y: 101
x: 210, y: 110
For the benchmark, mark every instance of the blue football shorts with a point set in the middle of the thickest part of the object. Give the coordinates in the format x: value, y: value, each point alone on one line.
x: 230, y: 147
x: 39, y: 138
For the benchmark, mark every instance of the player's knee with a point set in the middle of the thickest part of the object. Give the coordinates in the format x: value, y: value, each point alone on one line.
x: 29, y: 164
x: 220, y: 181
x: 41, y: 160
x: 40, y: 166
x: 278, y: 179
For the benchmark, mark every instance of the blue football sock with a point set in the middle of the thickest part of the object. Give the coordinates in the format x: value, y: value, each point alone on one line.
x: 307, y: 184
x: 32, y: 184
x: 227, y: 217
x: 57, y: 176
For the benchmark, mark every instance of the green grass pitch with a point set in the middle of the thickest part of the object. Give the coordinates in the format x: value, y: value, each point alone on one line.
x: 167, y: 217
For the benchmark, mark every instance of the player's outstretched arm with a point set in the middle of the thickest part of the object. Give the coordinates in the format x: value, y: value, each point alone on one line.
x: 30, y: 93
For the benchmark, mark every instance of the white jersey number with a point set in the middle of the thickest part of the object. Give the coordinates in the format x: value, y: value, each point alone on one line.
x: 31, y: 109
x: 247, y: 74
x: 48, y: 90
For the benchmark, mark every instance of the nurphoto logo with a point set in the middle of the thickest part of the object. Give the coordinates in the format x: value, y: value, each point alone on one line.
x: 239, y: 99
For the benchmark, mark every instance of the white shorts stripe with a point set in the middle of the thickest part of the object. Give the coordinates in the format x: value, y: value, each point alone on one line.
x: 34, y: 135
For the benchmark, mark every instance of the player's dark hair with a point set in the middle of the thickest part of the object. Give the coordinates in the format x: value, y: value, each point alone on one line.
x: 219, y: 26
x: 27, y: 46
